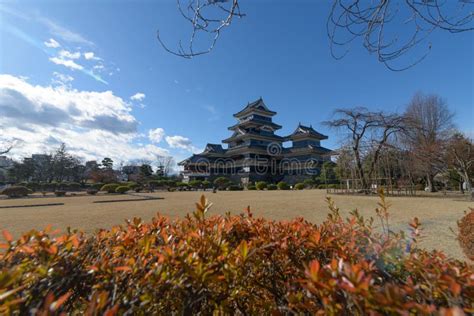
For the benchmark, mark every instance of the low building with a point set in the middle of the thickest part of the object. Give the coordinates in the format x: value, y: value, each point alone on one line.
x: 255, y: 153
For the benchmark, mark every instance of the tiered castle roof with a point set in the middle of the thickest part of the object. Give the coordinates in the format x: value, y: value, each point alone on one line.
x: 305, y: 132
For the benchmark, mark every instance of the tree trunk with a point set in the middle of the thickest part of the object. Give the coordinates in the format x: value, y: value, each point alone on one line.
x: 430, y: 183
x: 461, y: 187
x: 466, y: 179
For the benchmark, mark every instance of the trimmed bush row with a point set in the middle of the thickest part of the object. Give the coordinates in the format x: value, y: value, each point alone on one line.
x: 231, y: 265
x: 16, y: 191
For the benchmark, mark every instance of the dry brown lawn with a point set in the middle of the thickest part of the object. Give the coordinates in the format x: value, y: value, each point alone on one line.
x: 437, y: 215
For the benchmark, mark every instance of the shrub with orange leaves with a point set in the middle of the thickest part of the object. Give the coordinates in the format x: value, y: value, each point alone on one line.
x: 230, y: 265
x: 466, y: 234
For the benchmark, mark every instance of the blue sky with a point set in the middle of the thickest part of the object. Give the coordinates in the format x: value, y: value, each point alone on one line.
x: 71, y: 68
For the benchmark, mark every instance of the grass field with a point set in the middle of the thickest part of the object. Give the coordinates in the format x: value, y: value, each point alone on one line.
x: 437, y: 214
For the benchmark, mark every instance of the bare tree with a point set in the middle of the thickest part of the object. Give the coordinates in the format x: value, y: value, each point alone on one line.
x: 379, y: 23
x: 460, y: 156
x: 164, y: 165
x: 6, y: 146
x: 367, y: 133
x: 429, y: 125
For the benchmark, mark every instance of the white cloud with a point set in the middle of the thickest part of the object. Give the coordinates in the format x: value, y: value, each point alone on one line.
x: 63, y: 33
x: 138, y: 96
x: 61, y: 79
x: 92, y: 124
x: 180, y: 142
x: 67, y: 54
x: 66, y: 63
x: 156, y: 135
x: 52, y: 43
x: 91, y: 56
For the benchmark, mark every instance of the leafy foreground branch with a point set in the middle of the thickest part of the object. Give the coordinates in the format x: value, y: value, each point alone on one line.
x: 231, y: 265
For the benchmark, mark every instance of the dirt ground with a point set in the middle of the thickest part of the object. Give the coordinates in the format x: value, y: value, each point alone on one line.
x: 437, y: 214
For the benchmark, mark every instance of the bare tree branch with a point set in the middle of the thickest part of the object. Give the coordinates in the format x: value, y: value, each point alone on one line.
x: 206, y: 17
x: 369, y: 20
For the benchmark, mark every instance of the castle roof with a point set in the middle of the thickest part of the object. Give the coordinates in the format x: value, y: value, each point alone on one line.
x: 303, y: 131
x: 238, y: 134
x: 253, y: 121
x: 214, y: 148
x: 255, y: 106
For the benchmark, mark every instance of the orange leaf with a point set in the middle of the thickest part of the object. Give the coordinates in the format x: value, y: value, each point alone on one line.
x: 313, y: 270
x: 8, y: 237
x: 455, y: 288
x: 55, y: 305
x: 123, y: 268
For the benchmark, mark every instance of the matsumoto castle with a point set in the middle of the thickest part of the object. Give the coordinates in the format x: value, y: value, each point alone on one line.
x: 255, y: 153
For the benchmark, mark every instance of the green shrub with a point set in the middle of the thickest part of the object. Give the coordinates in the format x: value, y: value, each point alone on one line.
x: 73, y: 186
x: 222, y: 183
x: 132, y: 185
x: 272, y: 187
x: 261, y: 185
x: 240, y: 264
x: 110, y: 188
x: 309, y: 183
x: 206, y: 184
x: 154, y: 184
x: 47, y: 187
x: 299, y: 186
x: 33, y: 186
x: 283, y: 185
x: 234, y: 187
x: 16, y: 191
x: 195, y: 184
x: 60, y: 193
x: 98, y: 186
x: 251, y: 187
x: 122, y: 189
x: 170, y: 183
x: 138, y: 189
x: 322, y: 186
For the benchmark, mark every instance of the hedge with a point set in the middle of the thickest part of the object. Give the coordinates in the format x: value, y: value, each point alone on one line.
x: 110, y: 188
x: 251, y: 187
x: 241, y: 264
x: 16, y: 191
x: 122, y: 189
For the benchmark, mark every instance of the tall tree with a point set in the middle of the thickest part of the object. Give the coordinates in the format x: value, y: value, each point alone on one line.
x: 429, y: 125
x: 107, y: 163
x: 62, y: 163
x: 460, y: 156
x: 367, y: 133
